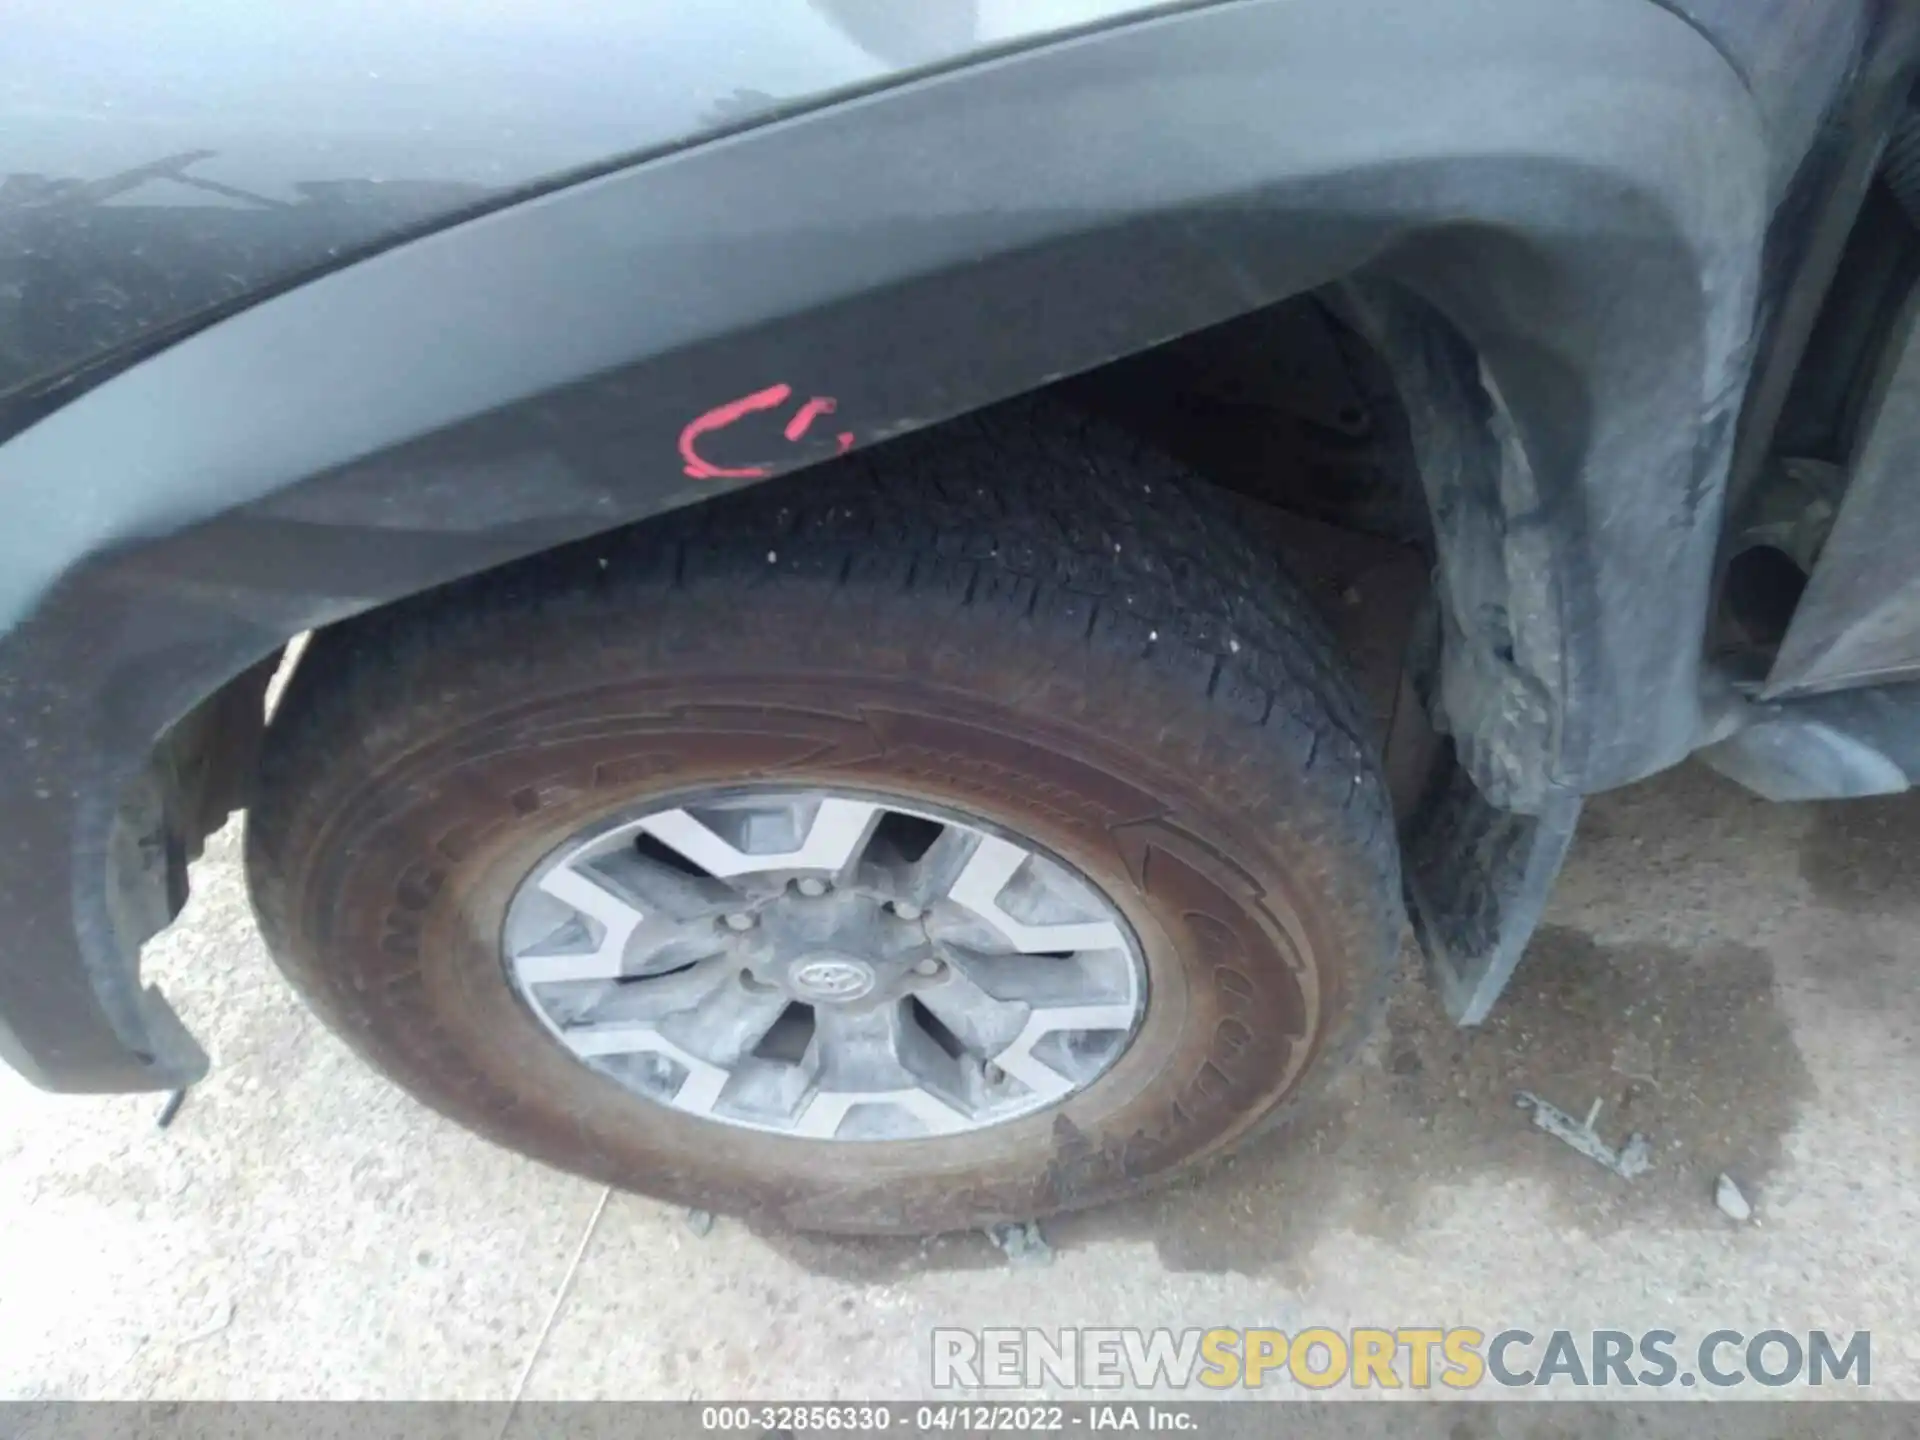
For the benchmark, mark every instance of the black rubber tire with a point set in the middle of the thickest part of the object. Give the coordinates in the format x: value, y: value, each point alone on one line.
x: 1025, y: 616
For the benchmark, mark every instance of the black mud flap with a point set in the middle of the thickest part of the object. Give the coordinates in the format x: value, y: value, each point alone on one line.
x: 1477, y: 883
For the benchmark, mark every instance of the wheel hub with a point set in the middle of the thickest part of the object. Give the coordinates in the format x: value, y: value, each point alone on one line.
x: 825, y: 965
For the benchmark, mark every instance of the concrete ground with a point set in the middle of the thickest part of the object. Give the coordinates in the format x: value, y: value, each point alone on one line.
x: 1741, y: 982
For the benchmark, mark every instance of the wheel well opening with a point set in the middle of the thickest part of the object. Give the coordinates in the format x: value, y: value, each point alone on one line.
x: 1288, y: 406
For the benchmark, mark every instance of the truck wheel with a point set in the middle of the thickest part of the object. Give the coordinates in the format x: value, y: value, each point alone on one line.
x: 959, y: 833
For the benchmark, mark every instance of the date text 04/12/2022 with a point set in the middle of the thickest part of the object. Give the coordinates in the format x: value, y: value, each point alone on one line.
x: 959, y: 1417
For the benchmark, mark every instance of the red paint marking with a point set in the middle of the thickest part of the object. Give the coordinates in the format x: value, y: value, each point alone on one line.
x: 722, y: 416
x: 807, y: 414
x: 719, y: 418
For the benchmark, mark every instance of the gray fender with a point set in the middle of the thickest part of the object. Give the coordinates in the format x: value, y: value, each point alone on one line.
x: 1564, y: 203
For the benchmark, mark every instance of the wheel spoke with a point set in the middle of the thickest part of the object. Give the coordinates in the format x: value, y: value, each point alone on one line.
x: 594, y: 900
x: 978, y: 888
x: 982, y: 1022
x: 1019, y: 1061
x: 657, y: 998
x: 618, y: 1037
x: 616, y: 920
x: 925, y: 880
x: 875, y: 1057
x: 701, y: 1082
x: 876, y: 1049
x: 662, y: 890
x: 561, y: 967
x: 827, y: 1111
x: 728, y: 1021
x: 627, y: 938
x: 1046, y: 1019
x: 839, y: 832
x: 834, y: 839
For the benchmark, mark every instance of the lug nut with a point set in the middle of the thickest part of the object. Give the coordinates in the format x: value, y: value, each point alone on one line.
x: 907, y: 910
x: 928, y: 967
x: 992, y: 1073
x: 739, y: 920
x: 812, y: 887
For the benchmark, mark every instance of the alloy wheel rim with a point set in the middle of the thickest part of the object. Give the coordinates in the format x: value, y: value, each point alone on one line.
x: 825, y: 964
